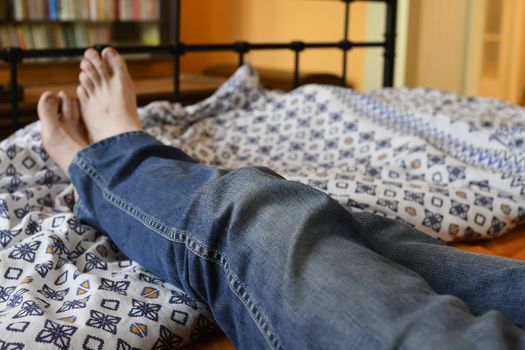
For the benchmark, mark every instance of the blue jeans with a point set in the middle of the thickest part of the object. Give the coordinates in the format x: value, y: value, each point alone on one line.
x: 283, y: 266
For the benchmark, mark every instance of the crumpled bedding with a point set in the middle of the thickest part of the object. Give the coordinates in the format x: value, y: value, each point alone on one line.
x: 448, y: 165
x: 451, y: 166
x: 62, y: 284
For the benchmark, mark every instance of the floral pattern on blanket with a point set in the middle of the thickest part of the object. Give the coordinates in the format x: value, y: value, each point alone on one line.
x: 452, y: 166
x: 63, y: 285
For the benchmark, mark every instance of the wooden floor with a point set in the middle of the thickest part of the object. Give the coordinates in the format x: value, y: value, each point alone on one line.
x: 218, y: 342
x: 194, y: 88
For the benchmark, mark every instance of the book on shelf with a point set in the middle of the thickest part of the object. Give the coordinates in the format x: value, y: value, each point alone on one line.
x: 41, y: 36
x: 39, y: 24
x: 76, y: 10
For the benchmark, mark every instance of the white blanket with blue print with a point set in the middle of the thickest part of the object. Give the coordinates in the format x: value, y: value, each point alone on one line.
x: 65, y: 286
x: 451, y: 166
x: 448, y: 165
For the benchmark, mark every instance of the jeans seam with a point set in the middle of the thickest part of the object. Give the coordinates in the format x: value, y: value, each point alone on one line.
x: 79, y: 207
x: 147, y: 220
x: 238, y: 288
x: 89, y: 171
x: 201, y: 250
x: 193, y: 245
x: 116, y: 138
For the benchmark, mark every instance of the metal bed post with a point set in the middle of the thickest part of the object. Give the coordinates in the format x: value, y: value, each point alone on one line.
x: 297, y: 47
x: 177, y: 51
x: 390, y: 43
x: 242, y: 48
x: 14, y: 57
x: 100, y: 48
x: 345, y: 45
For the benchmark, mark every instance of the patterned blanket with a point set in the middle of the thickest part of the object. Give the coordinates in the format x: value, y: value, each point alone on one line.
x: 452, y: 166
x: 448, y: 165
x: 62, y: 284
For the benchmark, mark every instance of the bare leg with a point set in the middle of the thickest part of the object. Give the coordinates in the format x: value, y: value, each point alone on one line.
x: 107, y: 95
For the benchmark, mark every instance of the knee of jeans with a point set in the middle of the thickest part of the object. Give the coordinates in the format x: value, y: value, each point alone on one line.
x: 260, y: 200
x: 248, y: 183
x: 254, y: 174
x: 261, y: 184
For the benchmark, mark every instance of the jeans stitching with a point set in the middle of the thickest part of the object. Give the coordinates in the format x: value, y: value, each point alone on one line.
x: 116, y: 138
x: 199, y: 249
x: 79, y: 207
x: 152, y: 223
x: 83, y: 165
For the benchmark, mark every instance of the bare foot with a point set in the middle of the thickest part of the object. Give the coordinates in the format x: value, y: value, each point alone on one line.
x: 107, y: 95
x: 63, y: 134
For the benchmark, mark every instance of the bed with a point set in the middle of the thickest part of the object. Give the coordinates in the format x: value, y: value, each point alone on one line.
x: 449, y: 165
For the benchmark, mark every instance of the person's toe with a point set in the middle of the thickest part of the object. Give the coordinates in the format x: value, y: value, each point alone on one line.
x: 48, y: 109
x: 96, y: 61
x: 87, y: 67
x: 82, y: 94
x: 69, y: 108
x: 115, y: 61
x: 86, y: 83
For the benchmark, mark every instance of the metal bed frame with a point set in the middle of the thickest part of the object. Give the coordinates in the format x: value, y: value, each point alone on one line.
x: 15, y: 56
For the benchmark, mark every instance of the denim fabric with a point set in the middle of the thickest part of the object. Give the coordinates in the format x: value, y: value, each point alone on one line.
x: 282, y: 265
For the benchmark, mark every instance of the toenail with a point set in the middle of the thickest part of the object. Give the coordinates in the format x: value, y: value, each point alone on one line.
x: 111, y: 53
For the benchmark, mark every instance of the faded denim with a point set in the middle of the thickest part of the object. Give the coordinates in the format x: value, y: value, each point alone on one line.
x: 283, y: 266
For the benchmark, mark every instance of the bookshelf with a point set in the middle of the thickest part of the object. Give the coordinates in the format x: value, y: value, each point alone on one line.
x: 40, y: 24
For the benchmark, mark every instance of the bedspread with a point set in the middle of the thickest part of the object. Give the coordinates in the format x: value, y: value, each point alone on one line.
x: 62, y: 284
x: 448, y: 165
x: 451, y: 166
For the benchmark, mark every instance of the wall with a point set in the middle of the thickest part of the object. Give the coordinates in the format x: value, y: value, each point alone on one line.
x: 375, y: 25
x: 518, y: 79
x: 275, y: 20
x: 403, y: 15
x: 205, y: 21
x: 438, y: 44
x: 374, y: 58
x: 502, y: 53
x: 452, y: 47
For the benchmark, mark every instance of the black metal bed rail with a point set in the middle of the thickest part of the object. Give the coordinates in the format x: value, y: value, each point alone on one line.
x: 15, y: 56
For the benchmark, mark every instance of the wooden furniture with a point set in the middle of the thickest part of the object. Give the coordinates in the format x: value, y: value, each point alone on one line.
x: 44, y: 24
x: 213, y: 342
x: 50, y: 24
x: 468, y: 47
x: 277, y: 79
x: 498, y: 50
x: 152, y: 77
x: 176, y: 48
x: 153, y: 82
